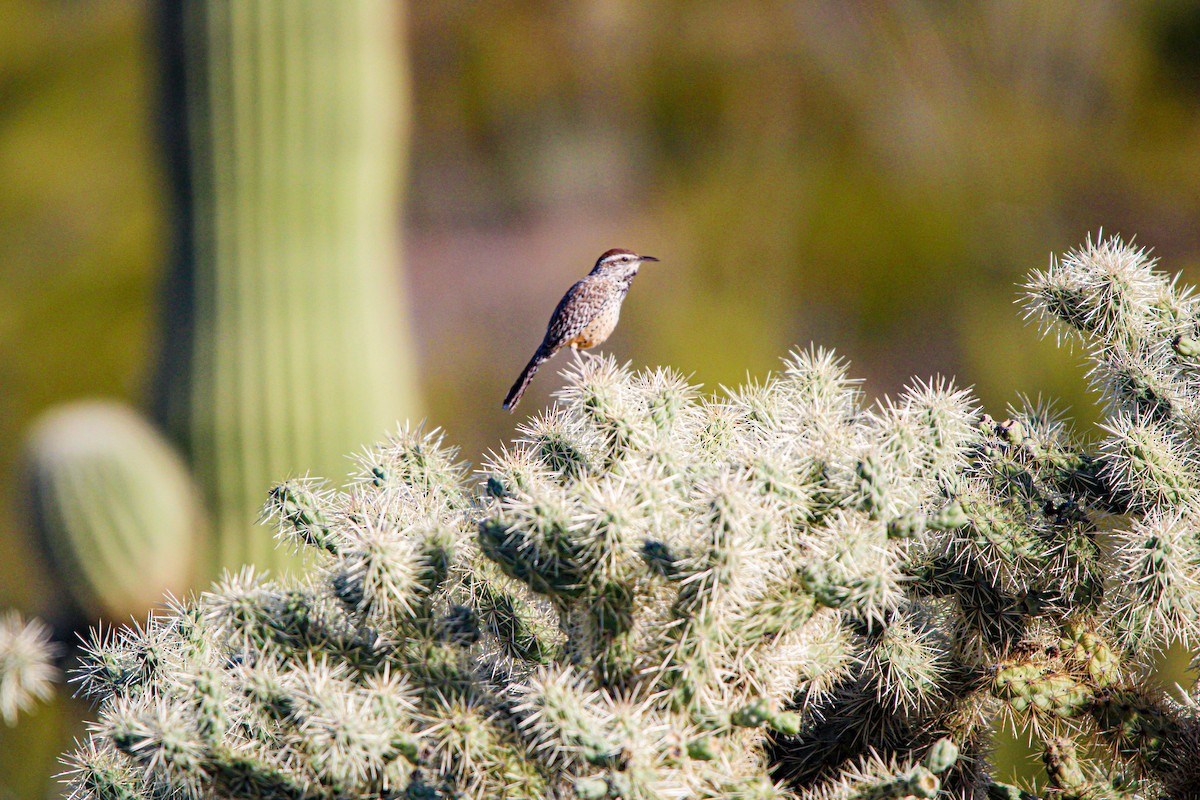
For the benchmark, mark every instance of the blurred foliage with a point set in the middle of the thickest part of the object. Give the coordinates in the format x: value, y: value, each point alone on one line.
x: 869, y: 176
x: 80, y: 229
x: 872, y: 175
x: 80, y: 226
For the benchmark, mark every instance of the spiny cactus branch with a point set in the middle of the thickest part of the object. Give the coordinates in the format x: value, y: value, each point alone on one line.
x: 779, y: 592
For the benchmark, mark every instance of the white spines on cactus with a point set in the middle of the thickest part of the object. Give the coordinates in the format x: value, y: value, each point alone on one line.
x: 27, y: 670
x: 651, y: 593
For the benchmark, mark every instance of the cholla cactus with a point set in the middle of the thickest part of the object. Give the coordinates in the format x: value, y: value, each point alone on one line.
x: 778, y: 593
x: 27, y: 671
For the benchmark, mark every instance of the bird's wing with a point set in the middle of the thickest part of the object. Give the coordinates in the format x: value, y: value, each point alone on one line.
x: 577, y: 308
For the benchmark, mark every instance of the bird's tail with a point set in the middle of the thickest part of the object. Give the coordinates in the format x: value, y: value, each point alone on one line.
x: 518, y: 388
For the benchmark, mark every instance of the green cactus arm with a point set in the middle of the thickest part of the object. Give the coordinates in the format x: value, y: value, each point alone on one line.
x: 115, y: 506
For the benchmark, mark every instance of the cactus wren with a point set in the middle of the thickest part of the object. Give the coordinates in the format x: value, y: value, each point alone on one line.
x: 586, y: 315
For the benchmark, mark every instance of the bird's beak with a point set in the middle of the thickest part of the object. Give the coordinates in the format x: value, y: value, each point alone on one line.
x: 647, y: 258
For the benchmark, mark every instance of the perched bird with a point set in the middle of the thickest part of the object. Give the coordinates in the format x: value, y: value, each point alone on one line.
x: 586, y: 315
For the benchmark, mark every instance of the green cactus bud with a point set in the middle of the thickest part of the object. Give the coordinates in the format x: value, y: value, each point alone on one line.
x: 1003, y: 791
x: 1186, y: 346
x: 299, y: 508
x: 591, y: 788
x: 951, y: 516
x: 1064, y: 768
x: 942, y: 756
x: 754, y: 715
x: 1103, y: 665
x: 1044, y: 692
x: 920, y: 782
x: 906, y: 527
x: 759, y: 713
x: 701, y: 749
x: 1148, y: 463
x: 98, y: 769
x: 1012, y: 431
x: 876, y: 779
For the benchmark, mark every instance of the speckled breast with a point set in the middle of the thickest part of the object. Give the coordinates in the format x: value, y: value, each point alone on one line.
x: 599, y: 329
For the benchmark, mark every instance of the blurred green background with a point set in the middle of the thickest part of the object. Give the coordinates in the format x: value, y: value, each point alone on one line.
x: 874, y: 177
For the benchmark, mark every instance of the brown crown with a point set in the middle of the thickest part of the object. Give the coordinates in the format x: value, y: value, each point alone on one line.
x: 616, y: 251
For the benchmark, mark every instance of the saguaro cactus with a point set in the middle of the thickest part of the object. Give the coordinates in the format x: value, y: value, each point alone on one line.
x: 283, y: 334
x: 651, y: 595
x: 283, y: 331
